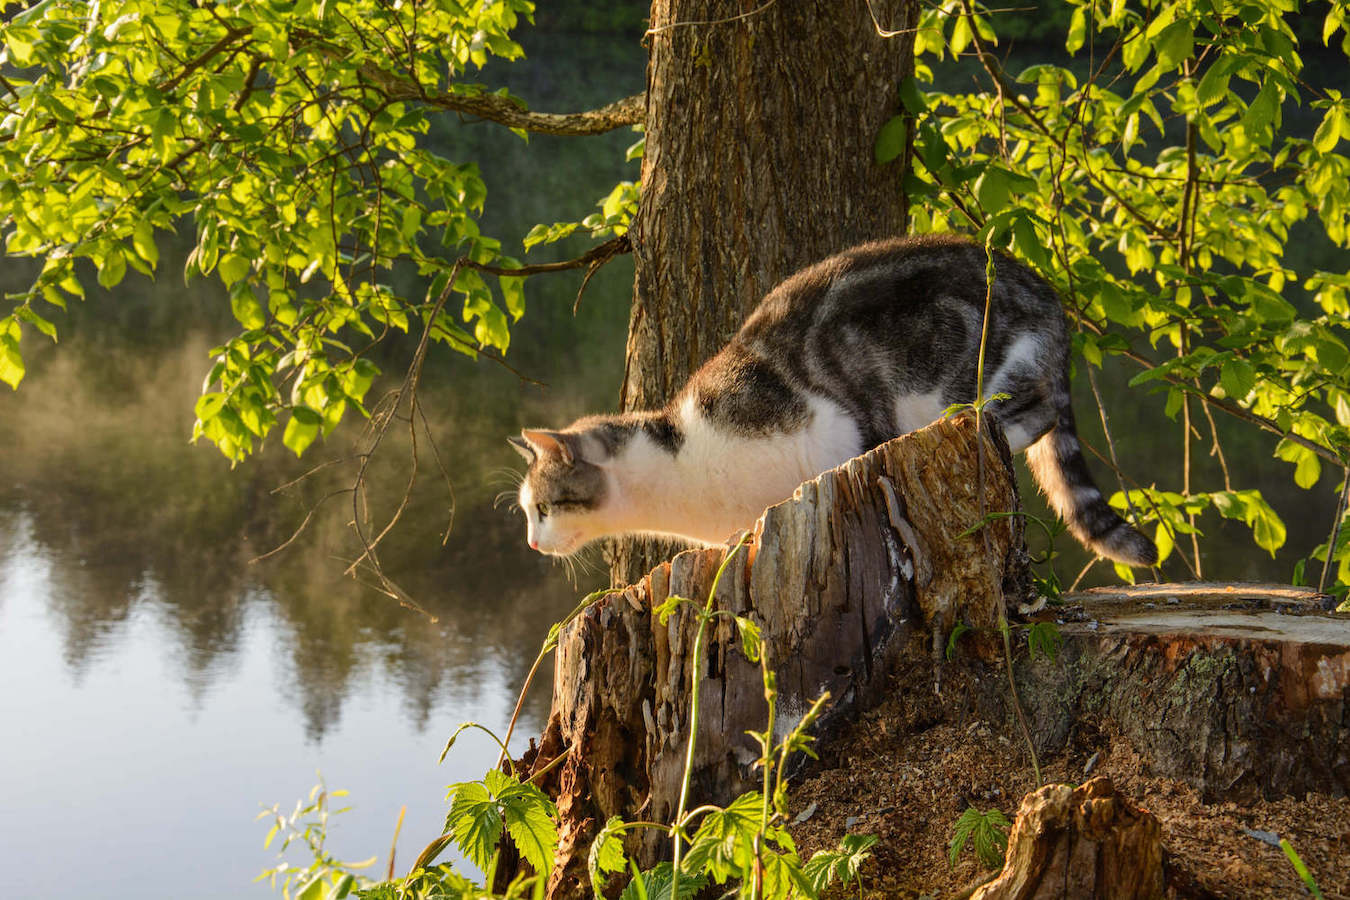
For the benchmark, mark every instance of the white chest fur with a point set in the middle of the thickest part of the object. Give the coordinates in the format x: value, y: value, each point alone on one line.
x: 719, y: 482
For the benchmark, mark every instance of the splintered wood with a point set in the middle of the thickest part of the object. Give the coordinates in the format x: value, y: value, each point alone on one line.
x: 839, y: 578
x: 1084, y: 843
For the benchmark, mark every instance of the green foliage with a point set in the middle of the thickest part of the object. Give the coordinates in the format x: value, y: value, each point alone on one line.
x: 1044, y: 638
x: 479, y: 809
x: 987, y: 831
x: 1155, y: 183
x: 1304, y: 875
x: 617, y: 209
x: 959, y: 629
x: 324, y: 876
x: 287, y: 139
x: 1174, y: 514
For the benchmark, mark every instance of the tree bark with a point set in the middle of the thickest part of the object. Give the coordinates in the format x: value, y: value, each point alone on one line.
x: 760, y: 126
x: 1241, y: 691
x: 838, y: 578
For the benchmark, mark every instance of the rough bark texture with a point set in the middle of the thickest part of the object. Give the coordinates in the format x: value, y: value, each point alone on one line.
x: 836, y: 578
x: 1240, y: 691
x: 1085, y: 844
x: 759, y: 161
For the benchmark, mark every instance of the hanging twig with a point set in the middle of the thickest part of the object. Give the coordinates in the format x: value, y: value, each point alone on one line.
x: 1335, y: 530
x: 387, y: 411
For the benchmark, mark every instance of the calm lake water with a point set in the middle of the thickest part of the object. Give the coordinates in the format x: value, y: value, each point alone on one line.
x: 157, y: 689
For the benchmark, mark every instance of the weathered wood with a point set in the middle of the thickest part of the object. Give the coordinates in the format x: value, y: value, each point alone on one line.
x: 1239, y: 691
x: 834, y: 577
x: 1084, y: 844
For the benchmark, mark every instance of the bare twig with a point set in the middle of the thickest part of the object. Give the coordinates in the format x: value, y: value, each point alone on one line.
x: 1335, y: 531
x: 393, y: 845
x: 661, y: 29
x: 887, y: 32
x: 387, y: 411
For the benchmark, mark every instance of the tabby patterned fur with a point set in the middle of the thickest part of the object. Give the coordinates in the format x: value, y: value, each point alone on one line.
x: 844, y: 355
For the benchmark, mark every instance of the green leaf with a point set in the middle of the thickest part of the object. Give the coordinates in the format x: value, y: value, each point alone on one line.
x: 1044, y: 638
x: 232, y: 268
x: 992, y: 190
x: 1077, y: 30
x: 11, y: 361
x: 1175, y: 43
x: 1328, y: 134
x: 890, y: 140
x: 311, y: 889
x: 1237, y: 377
x: 659, y: 884
x: 475, y: 821
x: 606, y: 854
x: 959, y: 629
x: 209, y: 405
x: 532, y: 830
x: 113, y: 268
x: 1163, y: 540
x: 988, y: 831
x: 751, y: 641
x: 664, y: 611
x: 911, y: 98
x: 302, y: 429
x: 246, y: 308
x: 1307, y: 467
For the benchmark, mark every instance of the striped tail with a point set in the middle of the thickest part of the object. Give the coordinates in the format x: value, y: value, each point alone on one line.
x: 1056, y: 460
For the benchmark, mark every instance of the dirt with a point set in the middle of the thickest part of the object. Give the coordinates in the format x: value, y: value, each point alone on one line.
x: 906, y: 770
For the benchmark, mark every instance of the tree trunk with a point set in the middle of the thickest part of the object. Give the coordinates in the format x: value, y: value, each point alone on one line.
x: 837, y: 578
x: 761, y: 121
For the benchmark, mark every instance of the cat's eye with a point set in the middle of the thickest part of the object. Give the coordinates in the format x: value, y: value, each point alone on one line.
x: 542, y: 509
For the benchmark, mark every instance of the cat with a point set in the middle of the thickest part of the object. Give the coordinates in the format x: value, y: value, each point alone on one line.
x: 842, y: 356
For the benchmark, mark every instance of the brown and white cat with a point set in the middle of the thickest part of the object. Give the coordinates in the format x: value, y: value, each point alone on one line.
x: 842, y: 356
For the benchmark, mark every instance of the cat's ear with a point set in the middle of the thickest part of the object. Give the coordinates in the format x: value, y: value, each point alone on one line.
x: 543, y: 442
x: 523, y: 448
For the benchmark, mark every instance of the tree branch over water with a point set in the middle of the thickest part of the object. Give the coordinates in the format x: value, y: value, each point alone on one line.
x: 493, y: 107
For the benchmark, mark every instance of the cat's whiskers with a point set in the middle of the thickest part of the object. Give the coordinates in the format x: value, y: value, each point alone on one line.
x: 577, y: 564
x: 505, y: 475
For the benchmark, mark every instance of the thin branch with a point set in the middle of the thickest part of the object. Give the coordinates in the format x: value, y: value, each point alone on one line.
x: 692, y: 23
x: 232, y: 34
x: 1223, y: 403
x: 886, y: 32
x: 303, y: 525
x: 493, y: 107
x: 1144, y: 493
x: 1335, y: 531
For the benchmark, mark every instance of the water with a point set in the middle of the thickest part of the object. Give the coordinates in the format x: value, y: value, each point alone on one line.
x: 150, y: 776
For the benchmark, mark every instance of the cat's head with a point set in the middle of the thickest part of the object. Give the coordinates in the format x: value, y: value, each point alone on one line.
x: 566, y: 489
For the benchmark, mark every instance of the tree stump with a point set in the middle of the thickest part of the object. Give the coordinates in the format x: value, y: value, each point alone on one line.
x: 1241, y: 691
x: 1085, y: 844
x: 835, y: 577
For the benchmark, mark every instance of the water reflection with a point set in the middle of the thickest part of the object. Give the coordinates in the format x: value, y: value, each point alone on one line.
x: 101, y: 477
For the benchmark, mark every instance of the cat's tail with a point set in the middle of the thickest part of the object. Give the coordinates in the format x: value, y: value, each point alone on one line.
x: 1056, y: 460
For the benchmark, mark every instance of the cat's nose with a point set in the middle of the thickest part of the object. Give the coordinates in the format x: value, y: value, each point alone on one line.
x: 534, y: 544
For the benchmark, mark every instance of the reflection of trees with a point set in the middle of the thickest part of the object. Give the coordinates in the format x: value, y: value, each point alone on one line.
x: 130, y: 515
x: 93, y: 448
